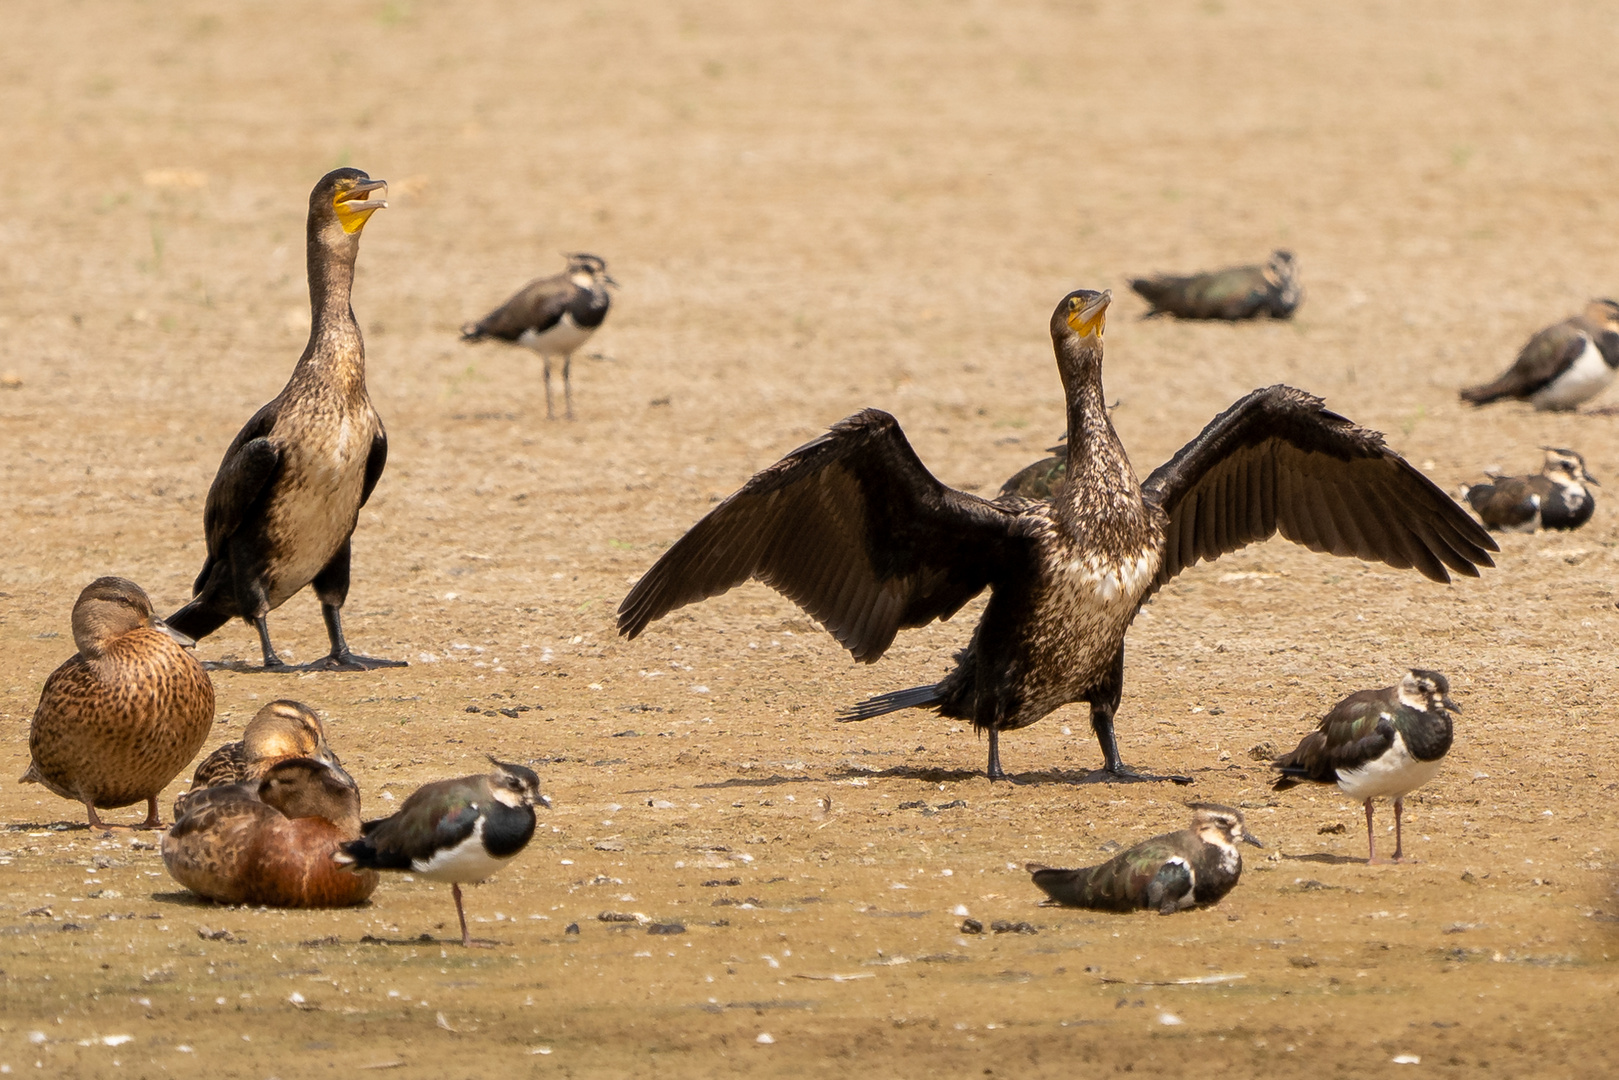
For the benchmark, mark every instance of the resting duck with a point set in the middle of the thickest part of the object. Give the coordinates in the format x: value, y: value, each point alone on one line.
x: 271, y: 842
x: 121, y: 718
x: 281, y: 730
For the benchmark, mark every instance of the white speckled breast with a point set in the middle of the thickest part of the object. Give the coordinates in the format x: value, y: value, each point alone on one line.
x: 1081, y: 616
x: 318, y: 496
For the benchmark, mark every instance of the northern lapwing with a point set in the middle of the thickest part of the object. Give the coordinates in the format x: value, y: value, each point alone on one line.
x: 125, y: 714
x: 1559, y: 498
x: 1562, y: 366
x: 552, y: 316
x: 1168, y: 873
x: 1240, y: 292
x: 1378, y: 744
x: 460, y: 831
x: 288, y: 493
x: 272, y: 841
x: 855, y: 530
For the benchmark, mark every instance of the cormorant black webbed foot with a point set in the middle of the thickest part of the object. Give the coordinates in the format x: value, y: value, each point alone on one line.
x: 348, y: 661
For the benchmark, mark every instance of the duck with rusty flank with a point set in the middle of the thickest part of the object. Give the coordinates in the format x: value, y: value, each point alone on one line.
x: 461, y: 831
x: 121, y: 718
x: 855, y: 530
x: 1166, y: 874
x: 282, y: 508
x: 271, y: 841
x: 1378, y: 744
x: 282, y: 729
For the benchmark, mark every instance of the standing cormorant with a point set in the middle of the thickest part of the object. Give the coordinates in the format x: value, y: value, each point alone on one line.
x: 287, y: 496
x: 553, y: 316
x: 855, y: 530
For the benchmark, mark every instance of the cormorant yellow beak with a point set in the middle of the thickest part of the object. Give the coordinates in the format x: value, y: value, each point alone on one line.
x: 1086, y: 317
x: 354, y: 205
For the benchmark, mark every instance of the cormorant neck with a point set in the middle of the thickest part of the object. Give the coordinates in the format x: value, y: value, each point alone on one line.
x: 1094, y: 449
x: 334, y: 335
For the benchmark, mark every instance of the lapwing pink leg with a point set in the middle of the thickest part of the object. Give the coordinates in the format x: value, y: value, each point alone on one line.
x: 1371, y: 841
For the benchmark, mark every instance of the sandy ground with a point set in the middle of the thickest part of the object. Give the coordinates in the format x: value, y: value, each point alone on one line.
x: 811, y: 209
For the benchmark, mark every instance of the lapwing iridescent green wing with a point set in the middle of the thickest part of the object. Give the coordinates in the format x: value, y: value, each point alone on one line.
x: 855, y: 530
x: 1168, y: 873
x: 1377, y: 744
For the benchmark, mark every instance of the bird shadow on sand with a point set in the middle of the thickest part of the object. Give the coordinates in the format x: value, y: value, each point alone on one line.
x: 186, y: 898
x: 248, y: 667
x: 947, y: 776
x: 1323, y: 857
x: 428, y: 939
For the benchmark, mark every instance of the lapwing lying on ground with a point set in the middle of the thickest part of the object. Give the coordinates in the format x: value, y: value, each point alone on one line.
x: 1168, y: 873
x: 460, y: 831
x: 1563, y: 365
x: 288, y: 493
x: 1241, y: 292
x: 124, y: 715
x: 553, y: 316
x: 855, y: 530
x: 1559, y: 498
x: 1378, y: 744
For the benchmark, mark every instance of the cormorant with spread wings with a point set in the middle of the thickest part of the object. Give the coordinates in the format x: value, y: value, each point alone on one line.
x: 856, y: 531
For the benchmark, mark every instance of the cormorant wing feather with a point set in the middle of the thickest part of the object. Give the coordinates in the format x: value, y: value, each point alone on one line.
x: 250, y: 464
x: 375, y: 462
x: 852, y: 528
x: 536, y: 306
x: 1278, y: 460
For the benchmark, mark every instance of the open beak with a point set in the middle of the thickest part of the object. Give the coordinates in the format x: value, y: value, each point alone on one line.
x: 185, y: 640
x: 356, y: 202
x: 1087, y: 319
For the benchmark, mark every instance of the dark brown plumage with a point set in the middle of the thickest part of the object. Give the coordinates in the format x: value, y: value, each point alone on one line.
x: 119, y: 720
x: 271, y: 842
x: 281, y: 730
x: 288, y: 493
x: 1561, y: 366
x: 858, y: 533
x: 1241, y: 292
x: 1168, y: 873
x: 1557, y: 498
x: 552, y: 316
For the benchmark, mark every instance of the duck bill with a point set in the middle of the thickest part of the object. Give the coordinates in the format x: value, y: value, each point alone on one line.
x: 186, y: 640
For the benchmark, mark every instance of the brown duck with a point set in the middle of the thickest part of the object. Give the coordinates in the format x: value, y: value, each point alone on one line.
x: 281, y: 730
x: 124, y: 716
x: 271, y: 842
x: 288, y: 493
